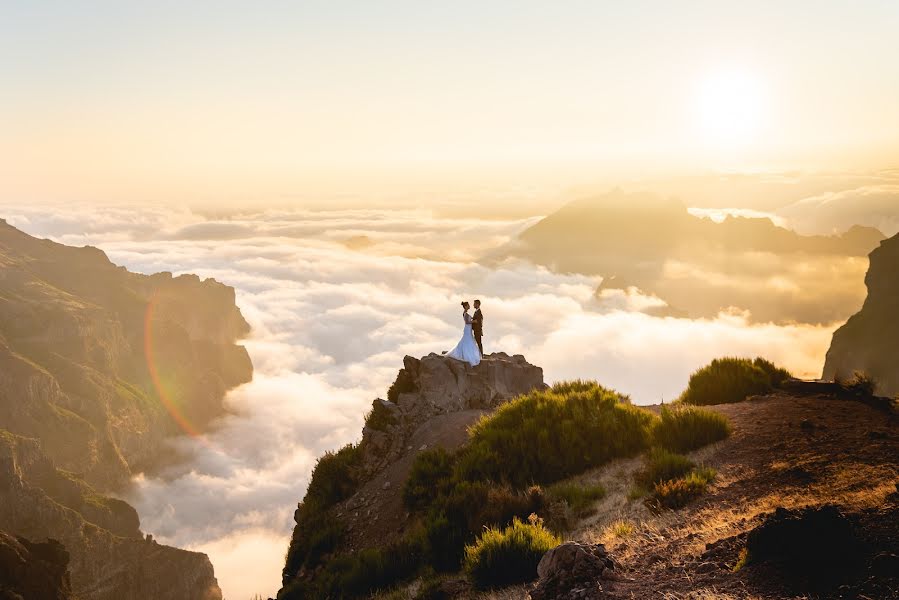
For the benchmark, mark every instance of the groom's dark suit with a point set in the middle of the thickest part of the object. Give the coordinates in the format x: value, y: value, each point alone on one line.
x: 477, y: 328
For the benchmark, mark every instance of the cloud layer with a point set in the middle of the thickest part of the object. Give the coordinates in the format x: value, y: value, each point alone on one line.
x: 871, y: 205
x: 335, y: 299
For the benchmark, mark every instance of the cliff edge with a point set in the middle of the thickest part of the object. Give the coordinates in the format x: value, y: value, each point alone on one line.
x: 869, y: 341
x: 98, y: 368
x: 432, y: 403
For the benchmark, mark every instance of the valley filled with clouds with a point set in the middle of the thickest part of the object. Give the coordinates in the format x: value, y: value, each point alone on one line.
x: 335, y: 299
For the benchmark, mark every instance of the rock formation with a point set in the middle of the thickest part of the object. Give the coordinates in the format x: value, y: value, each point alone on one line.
x: 435, y: 385
x: 98, y: 367
x: 573, y: 571
x: 110, y: 557
x: 869, y: 341
x: 82, y: 341
x: 431, y: 404
x: 37, y: 571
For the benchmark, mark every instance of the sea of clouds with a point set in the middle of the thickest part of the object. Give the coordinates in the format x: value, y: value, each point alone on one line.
x: 335, y: 300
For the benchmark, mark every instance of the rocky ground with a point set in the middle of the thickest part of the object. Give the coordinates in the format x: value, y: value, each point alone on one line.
x: 787, y: 451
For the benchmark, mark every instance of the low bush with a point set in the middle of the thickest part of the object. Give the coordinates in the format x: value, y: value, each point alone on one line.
x: 379, y: 417
x: 728, y: 380
x: 660, y: 465
x: 334, y: 478
x: 508, y: 556
x: 361, y: 573
x: 548, y: 435
x: 861, y: 385
x: 686, y: 428
x: 402, y: 384
x: 677, y: 493
x: 580, y: 498
x: 455, y: 518
x: 429, y: 477
x: 776, y: 374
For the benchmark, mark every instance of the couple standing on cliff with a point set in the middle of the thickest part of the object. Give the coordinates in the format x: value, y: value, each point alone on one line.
x: 469, y: 347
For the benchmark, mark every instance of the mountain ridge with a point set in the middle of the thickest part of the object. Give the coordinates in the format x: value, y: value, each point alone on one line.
x: 99, y: 367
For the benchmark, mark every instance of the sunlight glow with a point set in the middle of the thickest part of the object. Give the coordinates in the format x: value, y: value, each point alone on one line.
x: 730, y: 108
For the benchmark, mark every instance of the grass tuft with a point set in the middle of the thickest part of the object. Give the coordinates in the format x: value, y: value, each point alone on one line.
x: 580, y: 498
x: 660, y: 466
x: 677, y: 493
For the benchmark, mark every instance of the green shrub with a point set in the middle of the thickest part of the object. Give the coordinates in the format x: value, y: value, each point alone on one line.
x: 363, y: 572
x: 429, y: 476
x: 861, y: 384
x: 686, y: 428
x: 546, y: 436
x: 660, y: 465
x: 379, y: 417
x: 726, y: 380
x: 677, y: 493
x: 402, y: 385
x: 334, y: 477
x: 455, y: 518
x: 580, y: 498
x: 509, y: 556
x: 776, y: 374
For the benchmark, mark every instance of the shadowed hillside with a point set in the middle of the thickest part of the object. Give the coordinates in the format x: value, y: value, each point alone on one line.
x: 700, y: 267
x: 98, y: 368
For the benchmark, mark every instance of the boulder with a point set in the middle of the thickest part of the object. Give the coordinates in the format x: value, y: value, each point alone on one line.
x: 440, y: 384
x: 573, y: 571
x: 436, y: 385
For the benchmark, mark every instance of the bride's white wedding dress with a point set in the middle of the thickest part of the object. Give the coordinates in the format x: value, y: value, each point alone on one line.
x: 467, y: 348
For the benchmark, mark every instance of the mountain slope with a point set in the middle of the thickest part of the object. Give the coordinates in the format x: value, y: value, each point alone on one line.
x: 869, y: 341
x: 110, y: 557
x: 700, y: 267
x: 76, y: 371
x: 98, y: 368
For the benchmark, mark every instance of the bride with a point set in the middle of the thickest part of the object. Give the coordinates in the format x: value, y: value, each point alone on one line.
x: 467, y: 348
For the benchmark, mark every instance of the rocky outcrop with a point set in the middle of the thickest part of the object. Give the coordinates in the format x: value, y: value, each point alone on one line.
x: 436, y: 385
x: 37, y: 571
x: 432, y: 403
x: 110, y: 557
x: 98, y: 368
x: 869, y: 341
x: 573, y: 571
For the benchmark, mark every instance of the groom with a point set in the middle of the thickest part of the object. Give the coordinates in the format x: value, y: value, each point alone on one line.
x: 477, y: 325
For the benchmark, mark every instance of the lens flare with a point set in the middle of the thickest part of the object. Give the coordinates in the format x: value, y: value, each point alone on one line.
x: 153, y: 368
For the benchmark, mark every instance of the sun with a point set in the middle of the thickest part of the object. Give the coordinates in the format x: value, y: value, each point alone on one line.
x: 729, y: 107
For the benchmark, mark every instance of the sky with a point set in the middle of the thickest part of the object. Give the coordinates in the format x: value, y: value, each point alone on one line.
x: 289, y: 102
